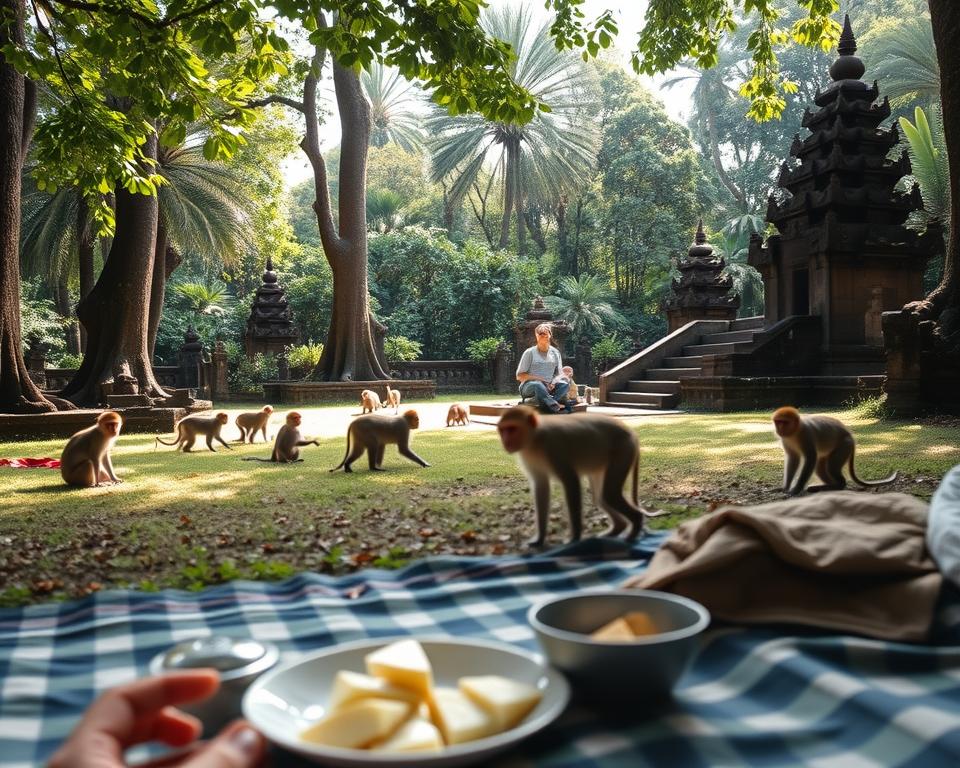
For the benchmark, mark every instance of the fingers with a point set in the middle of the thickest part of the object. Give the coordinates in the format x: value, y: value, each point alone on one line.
x: 133, y: 713
x: 237, y: 746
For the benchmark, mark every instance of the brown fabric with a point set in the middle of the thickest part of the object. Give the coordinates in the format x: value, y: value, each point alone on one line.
x: 849, y: 561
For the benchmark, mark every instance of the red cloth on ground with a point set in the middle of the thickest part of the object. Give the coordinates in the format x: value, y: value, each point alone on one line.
x: 31, y: 463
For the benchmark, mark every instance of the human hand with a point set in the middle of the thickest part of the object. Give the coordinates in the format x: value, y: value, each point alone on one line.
x: 143, y: 711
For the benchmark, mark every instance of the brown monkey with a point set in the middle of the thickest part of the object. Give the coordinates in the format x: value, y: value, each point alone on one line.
x: 370, y: 401
x: 85, y: 459
x: 820, y: 444
x: 457, y: 415
x: 373, y: 433
x: 580, y: 444
x: 254, y: 422
x: 190, y: 426
x: 393, y: 398
x: 286, y: 448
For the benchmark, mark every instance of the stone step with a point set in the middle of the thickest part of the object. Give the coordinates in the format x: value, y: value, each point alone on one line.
x: 687, y: 361
x: 645, y: 385
x: 642, y: 399
x: 708, y: 349
x: 671, y: 374
x: 727, y: 337
x: 747, y: 323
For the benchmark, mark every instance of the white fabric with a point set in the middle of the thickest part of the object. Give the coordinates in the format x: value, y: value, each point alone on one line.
x: 546, y: 366
x: 943, y: 526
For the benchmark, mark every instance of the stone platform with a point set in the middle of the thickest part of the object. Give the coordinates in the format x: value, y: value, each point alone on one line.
x: 64, y: 423
x: 310, y: 392
x: 735, y: 393
x: 498, y: 409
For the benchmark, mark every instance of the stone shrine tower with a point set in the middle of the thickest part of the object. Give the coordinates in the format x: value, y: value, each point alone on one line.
x: 842, y: 246
x: 270, y: 327
x: 702, y: 292
x: 523, y: 333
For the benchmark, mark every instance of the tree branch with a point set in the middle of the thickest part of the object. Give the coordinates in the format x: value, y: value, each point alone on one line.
x: 83, y: 5
x: 277, y: 99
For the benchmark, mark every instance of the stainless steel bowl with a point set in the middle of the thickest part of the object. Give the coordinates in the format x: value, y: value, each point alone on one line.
x: 638, y: 672
x: 239, y: 662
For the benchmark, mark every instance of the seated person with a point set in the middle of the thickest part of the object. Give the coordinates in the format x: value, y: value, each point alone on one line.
x: 573, y: 391
x: 943, y: 526
x: 539, y: 367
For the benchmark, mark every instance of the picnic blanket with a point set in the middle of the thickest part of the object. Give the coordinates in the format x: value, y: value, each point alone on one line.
x: 855, y: 562
x: 30, y: 463
x: 759, y: 696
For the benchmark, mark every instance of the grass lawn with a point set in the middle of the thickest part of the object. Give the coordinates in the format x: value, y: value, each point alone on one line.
x: 191, y: 520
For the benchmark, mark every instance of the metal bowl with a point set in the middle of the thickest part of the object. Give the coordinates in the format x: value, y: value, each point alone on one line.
x: 239, y: 662
x: 640, y: 671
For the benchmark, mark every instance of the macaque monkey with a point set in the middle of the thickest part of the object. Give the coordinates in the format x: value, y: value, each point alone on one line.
x: 373, y: 433
x: 820, y: 444
x: 286, y: 448
x: 254, y: 422
x: 393, y: 398
x: 85, y: 460
x: 190, y: 426
x: 457, y: 415
x: 370, y: 401
x: 581, y: 444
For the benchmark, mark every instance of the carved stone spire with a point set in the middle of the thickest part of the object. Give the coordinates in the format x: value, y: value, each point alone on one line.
x: 848, y: 66
x: 270, y: 327
x: 702, y: 292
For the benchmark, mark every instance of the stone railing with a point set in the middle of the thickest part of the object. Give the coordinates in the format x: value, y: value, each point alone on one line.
x: 450, y: 375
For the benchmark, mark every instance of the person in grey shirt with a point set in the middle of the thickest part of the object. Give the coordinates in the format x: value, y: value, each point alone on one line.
x: 539, y: 366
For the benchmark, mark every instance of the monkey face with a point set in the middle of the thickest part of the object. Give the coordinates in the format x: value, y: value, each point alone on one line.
x: 222, y: 417
x: 293, y: 419
x: 268, y: 409
x: 512, y: 435
x: 110, y: 427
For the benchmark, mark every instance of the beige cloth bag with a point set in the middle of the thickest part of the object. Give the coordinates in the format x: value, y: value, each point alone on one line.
x: 849, y: 561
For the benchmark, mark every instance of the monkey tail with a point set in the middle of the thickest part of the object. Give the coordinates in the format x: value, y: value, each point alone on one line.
x: 255, y: 458
x: 176, y: 438
x: 346, y: 453
x: 868, y: 483
x: 636, y: 473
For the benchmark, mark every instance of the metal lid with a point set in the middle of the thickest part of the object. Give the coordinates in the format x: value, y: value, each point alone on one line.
x: 231, y: 657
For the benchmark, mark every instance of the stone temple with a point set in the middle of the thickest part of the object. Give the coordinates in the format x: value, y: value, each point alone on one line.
x: 270, y: 327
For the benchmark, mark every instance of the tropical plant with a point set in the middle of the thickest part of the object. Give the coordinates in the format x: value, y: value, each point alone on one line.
x: 400, y: 349
x: 395, y: 108
x: 304, y: 358
x: 42, y: 325
x: 900, y: 53
x: 734, y: 245
x: 586, y: 304
x: 534, y: 163
x: 384, y: 210
x: 609, y: 348
x: 927, y: 148
x: 482, y: 351
x: 211, y: 300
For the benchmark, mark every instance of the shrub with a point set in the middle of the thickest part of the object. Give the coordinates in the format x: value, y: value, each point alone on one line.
x: 870, y: 407
x: 609, y: 347
x: 482, y: 351
x: 246, y: 375
x: 40, y: 323
x: 303, y: 359
x: 400, y: 349
x: 66, y: 360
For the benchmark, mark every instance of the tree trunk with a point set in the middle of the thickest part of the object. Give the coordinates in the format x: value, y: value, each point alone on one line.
x: 116, y: 313
x: 944, y: 300
x: 85, y: 247
x: 18, y: 393
x: 718, y: 163
x: 509, y: 193
x: 350, y: 352
x: 72, y: 329
x: 158, y: 286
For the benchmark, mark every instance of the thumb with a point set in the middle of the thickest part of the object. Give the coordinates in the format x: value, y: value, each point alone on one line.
x: 237, y: 746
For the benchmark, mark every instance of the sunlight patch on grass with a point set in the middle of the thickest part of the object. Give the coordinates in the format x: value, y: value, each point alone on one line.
x: 938, y: 450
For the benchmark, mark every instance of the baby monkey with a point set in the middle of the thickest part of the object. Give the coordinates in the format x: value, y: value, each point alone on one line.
x: 582, y: 444
x: 253, y: 423
x: 85, y: 460
x: 286, y: 448
x: 820, y: 444
x: 369, y: 401
x: 457, y: 415
x: 373, y: 433
x: 190, y: 426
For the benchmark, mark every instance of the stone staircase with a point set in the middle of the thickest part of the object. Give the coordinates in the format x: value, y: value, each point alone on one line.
x: 660, y: 387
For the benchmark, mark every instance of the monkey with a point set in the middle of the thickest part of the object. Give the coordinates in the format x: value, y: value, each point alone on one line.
x: 373, y: 433
x: 190, y: 426
x: 581, y: 444
x: 85, y: 460
x: 286, y: 448
x: 369, y: 401
x: 457, y: 415
x: 254, y: 422
x: 820, y: 444
x: 393, y: 398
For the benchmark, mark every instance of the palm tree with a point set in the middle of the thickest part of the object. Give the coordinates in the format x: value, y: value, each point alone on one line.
x: 384, y: 209
x: 205, y: 299
x: 394, y: 109
x: 900, y: 54
x: 534, y: 163
x: 586, y: 304
x: 927, y: 148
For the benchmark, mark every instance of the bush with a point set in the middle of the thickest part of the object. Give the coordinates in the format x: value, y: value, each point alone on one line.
x: 870, y: 408
x: 609, y: 347
x: 66, y: 360
x: 400, y: 349
x: 40, y: 323
x: 482, y: 351
x: 246, y: 375
x: 303, y: 359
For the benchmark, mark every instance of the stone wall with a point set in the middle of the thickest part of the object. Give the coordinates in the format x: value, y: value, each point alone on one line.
x: 449, y: 375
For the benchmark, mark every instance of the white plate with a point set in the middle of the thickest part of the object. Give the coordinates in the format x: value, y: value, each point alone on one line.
x: 289, y: 698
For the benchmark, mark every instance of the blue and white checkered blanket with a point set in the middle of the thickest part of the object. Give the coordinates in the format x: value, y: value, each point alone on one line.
x: 753, y: 697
